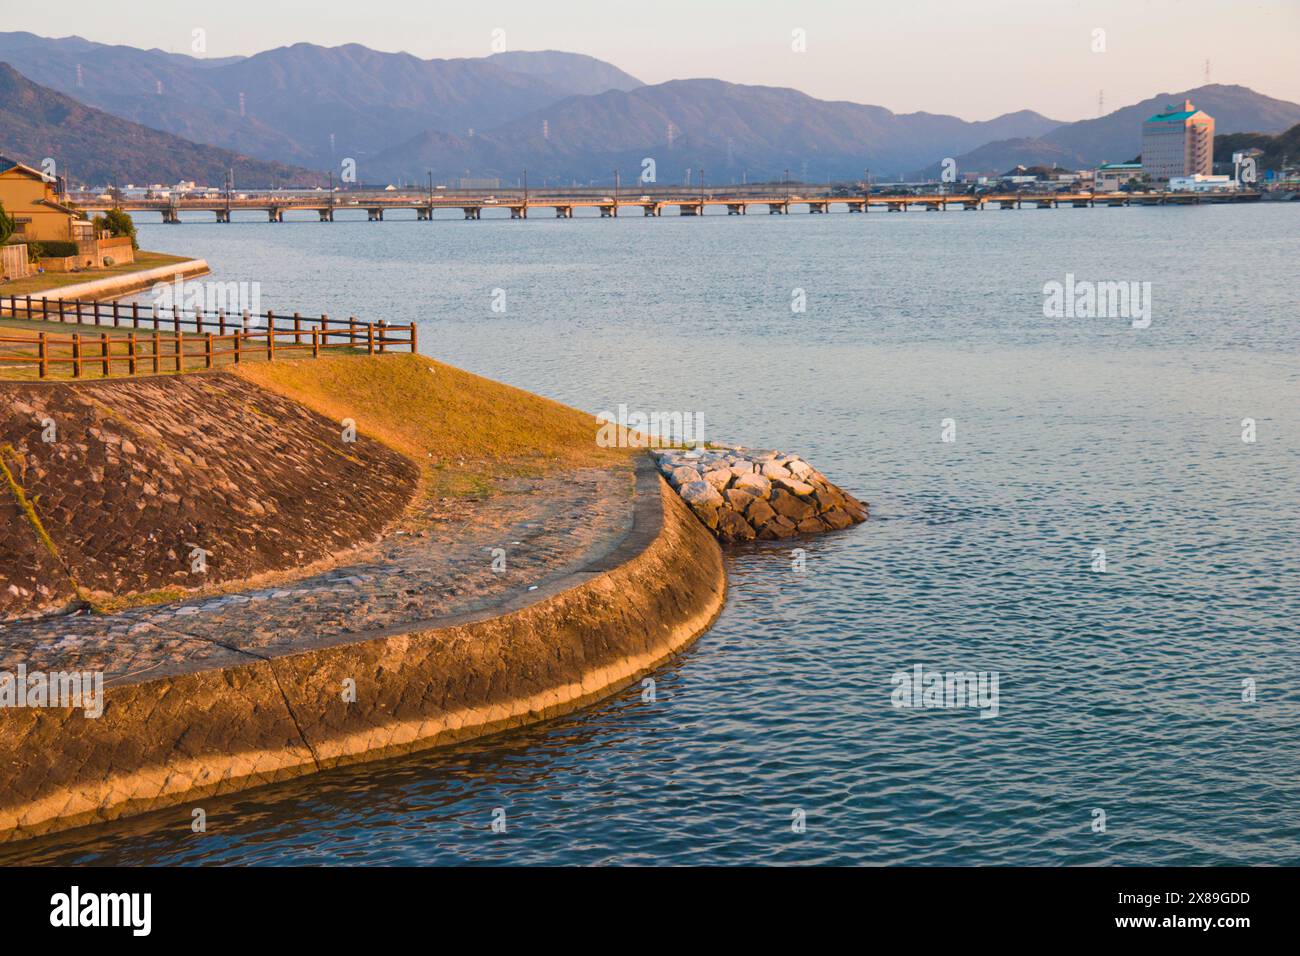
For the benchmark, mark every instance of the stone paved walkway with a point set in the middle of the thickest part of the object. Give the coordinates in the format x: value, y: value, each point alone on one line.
x: 548, y: 527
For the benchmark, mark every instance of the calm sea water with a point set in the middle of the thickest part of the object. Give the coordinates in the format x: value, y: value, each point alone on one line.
x: 1120, y: 692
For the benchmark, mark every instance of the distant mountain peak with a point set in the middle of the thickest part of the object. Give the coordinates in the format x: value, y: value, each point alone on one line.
x: 576, y: 72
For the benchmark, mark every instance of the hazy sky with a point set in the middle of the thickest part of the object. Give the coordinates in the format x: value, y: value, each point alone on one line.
x: 974, y: 59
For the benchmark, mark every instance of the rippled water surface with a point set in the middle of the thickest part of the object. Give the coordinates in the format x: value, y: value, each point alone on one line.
x: 1119, y: 692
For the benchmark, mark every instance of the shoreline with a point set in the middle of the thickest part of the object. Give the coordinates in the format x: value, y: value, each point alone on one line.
x: 273, y: 717
x: 117, y: 286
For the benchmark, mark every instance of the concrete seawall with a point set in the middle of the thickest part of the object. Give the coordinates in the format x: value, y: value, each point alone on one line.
x: 112, y: 287
x: 182, y: 737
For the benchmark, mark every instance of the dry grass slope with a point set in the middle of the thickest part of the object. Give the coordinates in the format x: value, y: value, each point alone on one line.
x: 463, y: 429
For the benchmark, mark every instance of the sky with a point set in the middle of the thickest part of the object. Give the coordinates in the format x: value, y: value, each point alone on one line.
x: 976, y: 59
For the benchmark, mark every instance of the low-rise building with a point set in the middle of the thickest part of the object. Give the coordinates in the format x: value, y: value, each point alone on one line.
x: 1201, y: 184
x: 1109, y: 177
x: 32, y: 200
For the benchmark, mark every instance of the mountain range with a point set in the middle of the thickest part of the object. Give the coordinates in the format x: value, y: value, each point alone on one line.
x: 564, y: 117
x: 92, y: 146
x: 1117, y: 137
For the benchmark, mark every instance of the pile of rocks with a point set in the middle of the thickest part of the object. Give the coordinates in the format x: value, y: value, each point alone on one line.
x: 742, y: 494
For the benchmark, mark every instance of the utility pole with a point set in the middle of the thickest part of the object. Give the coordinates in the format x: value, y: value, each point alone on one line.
x: 616, y: 185
x: 431, y: 193
x: 701, y: 190
x: 787, y: 185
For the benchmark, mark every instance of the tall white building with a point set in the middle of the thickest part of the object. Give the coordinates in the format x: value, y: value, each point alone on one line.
x: 1178, y: 142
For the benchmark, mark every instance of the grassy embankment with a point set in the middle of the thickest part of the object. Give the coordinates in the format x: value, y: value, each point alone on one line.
x: 463, y: 430
x: 36, y: 284
x: 460, y: 428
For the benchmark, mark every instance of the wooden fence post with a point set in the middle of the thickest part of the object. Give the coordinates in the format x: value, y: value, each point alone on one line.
x: 117, y: 318
x: 370, y: 339
x: 297, y: 329
x: 45, y: 308
x: 135, y: 315
x: 315, y: 343
x: 383, y: 335
x: 130, y: 354
x: 414, y: 348
x: 103, y: 353
x: 180, y: 351
x: 157, y: 351
x: 44, y: 355
x: 76, y: 355
x: 239, y: 337
x: 207, y: 351
x: 29, y: 307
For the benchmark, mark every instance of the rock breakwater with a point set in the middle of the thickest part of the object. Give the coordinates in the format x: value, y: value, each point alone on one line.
x: 741, y: 494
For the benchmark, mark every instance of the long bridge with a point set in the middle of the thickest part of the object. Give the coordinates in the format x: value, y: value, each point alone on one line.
x: 275, y: 205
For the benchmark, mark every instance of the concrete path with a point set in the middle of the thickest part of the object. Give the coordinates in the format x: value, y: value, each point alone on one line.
x: 547, y: 527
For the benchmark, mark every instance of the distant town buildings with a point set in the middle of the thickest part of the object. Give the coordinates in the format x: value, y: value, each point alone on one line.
x: 1109, y: 177
x: 1178, y: 142
x: 1201, y: 184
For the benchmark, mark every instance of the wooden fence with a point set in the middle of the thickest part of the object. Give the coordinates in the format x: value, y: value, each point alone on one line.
x: 181, y: 340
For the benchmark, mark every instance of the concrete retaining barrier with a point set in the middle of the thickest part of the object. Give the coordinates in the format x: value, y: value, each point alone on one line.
x: 111, y: 287
x: 179, y: 737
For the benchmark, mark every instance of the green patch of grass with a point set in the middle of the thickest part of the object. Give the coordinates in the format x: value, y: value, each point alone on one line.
x: 113, y: 604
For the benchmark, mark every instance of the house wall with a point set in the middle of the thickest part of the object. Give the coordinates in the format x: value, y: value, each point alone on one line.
x: 20, y: 195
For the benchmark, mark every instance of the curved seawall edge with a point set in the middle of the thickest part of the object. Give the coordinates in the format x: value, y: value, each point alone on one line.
x: 175, y: 740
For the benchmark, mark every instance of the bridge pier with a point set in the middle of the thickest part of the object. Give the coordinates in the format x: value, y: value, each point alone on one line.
x: 857, y: 206
x: 326, y: 215
x: 690, y: 209
x: 472, y: 212
x: 518, y: 212
x: 423, y: 213
x: 735, y: 209
x: 563, y: 212
x: 374, y: 215
x: 274, y: 214
x: 608, y: 212
x: 171, y: 217
x: 1009, y: 203
x: 818, y: 208
x: 778, y: 209
x: 223, y: 215
x: 972, y: 204
x: 897, y: 206
x: 651, y: 209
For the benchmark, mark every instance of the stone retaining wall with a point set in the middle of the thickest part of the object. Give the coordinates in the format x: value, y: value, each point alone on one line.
x: 741, y: 494
x: 180, y: 738
x: 107, y: 488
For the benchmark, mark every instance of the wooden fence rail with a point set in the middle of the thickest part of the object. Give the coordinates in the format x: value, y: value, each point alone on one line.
x: 131, y: 315
x: 156, y: 351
